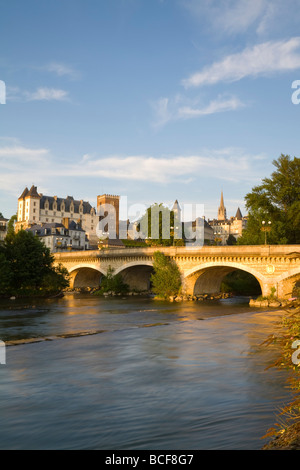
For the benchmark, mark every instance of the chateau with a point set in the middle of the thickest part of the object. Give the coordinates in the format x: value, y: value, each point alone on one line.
x: 38, y: 209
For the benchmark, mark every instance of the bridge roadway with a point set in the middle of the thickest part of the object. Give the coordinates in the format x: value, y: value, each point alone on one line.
x: 202, y: 269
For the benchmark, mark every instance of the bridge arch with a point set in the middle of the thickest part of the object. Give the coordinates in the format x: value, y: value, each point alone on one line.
x: 85, y: 275
x: 137, y: 274
x: 207, y: 278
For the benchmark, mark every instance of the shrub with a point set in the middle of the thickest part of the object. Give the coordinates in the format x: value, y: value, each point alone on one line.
x: 112, y: 283
x: 166, y: 279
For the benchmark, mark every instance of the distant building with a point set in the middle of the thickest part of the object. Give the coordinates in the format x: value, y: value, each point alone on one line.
x: 111, y: 217
x: 223, y: 227
x: 61, y: 237
x: 35, y: 208
x: 3, y: 228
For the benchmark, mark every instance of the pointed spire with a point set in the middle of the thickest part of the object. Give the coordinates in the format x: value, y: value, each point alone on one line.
x: 222, y: 200
x: 238, y: 214
x: 176, y: 206
x: 24, y: 193
x: 222, y: 209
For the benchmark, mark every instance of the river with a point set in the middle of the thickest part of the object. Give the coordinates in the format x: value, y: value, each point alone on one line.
x: 135, y: 373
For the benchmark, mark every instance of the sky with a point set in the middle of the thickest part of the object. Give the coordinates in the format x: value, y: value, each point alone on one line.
x: 155, y: 100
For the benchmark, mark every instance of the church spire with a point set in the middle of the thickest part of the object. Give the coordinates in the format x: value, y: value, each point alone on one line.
x: 222, y: 210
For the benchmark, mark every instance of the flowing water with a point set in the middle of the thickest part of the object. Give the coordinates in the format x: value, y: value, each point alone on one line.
x: 133, y: 373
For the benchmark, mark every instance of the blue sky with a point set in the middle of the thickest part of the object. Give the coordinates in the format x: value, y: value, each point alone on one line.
x: 155, y: 100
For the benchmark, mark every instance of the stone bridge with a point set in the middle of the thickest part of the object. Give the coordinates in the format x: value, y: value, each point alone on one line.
x: 202, y: 269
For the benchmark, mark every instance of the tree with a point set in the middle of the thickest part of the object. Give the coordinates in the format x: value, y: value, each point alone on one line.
x: 231, y: 240
x: 26, y: 266
x: 276, y: 200
x: 5, y: 272
x: 166, y: 279
x: 157, y: 225
x: 11, y: 226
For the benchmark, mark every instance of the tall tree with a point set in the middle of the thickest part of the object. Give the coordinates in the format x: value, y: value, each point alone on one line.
x: 158, y: 226
x: 276, y: 200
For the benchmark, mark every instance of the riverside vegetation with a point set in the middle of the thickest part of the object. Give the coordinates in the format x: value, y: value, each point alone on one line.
x: 286, y: 339
x: 27, y: 267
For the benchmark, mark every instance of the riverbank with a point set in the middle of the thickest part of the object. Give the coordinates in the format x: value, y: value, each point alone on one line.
x: 287, y: 438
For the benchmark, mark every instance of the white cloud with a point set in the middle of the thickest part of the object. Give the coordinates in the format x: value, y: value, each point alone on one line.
x: 239, y: 16
x: 262, y: 59
x: 215, y: 106
x: 229, y: 164
x: 27, y: 165
x: 41, y: 94
x: 61, y: 70
x: 180, y: 107
x: 46, y: 94
x: 23, y: 153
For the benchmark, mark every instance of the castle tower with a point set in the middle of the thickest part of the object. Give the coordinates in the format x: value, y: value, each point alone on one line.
x: 113, y: 216
x: 28, y: 208
x: 222, y: 210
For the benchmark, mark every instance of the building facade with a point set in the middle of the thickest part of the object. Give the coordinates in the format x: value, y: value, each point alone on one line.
x: 35, y: 208
x: 3, y: 228
x: 61, y: 237
x: 223, y: 227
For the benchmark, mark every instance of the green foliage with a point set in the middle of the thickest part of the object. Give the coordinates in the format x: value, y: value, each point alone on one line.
x: 240, y: 283
x: 5, y: 272
x: 112, y: 283
x: 166, y: 279
x: 277, y: 200
x: 26, y: 267
x: 10, y: 226
x: 134, y: 243
x: 231, y: 240
x: 157, y: 225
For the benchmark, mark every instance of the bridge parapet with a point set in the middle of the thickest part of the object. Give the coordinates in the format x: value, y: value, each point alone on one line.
x: 273, y: 265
